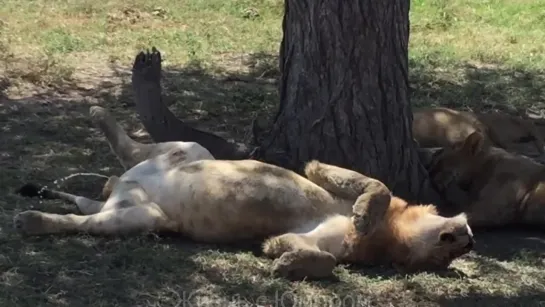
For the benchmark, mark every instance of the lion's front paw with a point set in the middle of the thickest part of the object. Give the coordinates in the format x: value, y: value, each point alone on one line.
x: 30, y: 222
x: 300, y: 264
x: 369, y: 211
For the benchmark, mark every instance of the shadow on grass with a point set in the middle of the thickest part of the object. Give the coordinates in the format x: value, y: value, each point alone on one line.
x: 475, y: 86
x: 525, y: 299
x: 47, y: 134
x: 526, y: 296
x: 510, y: 244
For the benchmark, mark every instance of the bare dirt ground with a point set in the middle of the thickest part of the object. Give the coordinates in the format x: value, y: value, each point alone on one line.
x: 46, y: 135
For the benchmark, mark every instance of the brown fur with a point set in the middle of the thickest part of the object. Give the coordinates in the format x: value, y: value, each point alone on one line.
x: 336, y: 215
x: 440, y: 127
x: 503, y: 188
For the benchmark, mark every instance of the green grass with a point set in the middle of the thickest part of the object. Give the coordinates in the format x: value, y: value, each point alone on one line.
x: 59, y: 57
x: 472, y: 53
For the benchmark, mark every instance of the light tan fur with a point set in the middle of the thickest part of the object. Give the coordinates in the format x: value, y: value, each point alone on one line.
x: 502, y: 188
x: 440, y: 127
x: 335, y: 215
x: 130, y: 153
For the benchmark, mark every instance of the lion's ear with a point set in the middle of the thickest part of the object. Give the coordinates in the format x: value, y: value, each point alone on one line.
x: 473, y: 144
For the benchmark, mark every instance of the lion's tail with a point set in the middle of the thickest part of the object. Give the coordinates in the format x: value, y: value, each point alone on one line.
x: 34, y: 190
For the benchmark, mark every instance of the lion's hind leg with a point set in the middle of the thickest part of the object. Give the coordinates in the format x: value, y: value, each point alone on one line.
x: 128, y: 151
x: 132, y: 219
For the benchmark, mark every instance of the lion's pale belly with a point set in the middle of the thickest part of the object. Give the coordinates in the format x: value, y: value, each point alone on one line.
x: 226, y: 201
x: 218, y: 208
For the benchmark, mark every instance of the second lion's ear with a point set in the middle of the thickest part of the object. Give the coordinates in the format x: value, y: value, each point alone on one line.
x: 473, y: 144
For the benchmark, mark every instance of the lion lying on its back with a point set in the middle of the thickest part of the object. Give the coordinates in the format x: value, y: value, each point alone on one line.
x: 227, y: 201
x: 336, y: 215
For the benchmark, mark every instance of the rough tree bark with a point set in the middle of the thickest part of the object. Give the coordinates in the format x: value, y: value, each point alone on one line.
x: 344, y: 96
x: 344, y: 90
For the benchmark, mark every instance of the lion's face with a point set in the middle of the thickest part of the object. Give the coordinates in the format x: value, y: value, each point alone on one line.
x: 440, y: 241
x: 456, y: 162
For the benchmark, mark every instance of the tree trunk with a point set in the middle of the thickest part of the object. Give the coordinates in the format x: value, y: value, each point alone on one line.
x: 344, y: 91
x: 344, y: 97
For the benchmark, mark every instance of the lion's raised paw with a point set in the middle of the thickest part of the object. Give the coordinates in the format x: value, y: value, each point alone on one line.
x: 29, y: 222
x: 300, y: 264
x: 369, y: 211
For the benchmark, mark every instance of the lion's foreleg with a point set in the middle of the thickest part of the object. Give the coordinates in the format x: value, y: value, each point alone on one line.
x: 297, y: 257
x: 369, y: 210
x: 343, y: 182
x: 275, y: 246
x: 304, y: 263
x: 372, y: 197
